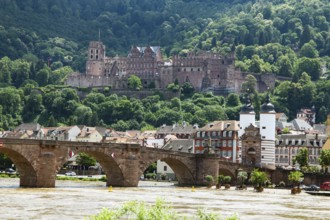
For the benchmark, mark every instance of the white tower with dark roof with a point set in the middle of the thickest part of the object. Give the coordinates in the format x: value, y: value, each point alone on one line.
x: 246, y: 117
x: 267, y: 132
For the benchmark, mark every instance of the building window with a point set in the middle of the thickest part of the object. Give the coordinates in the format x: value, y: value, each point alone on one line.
x: 263, y: 127
x: 224, y: 144
x: 198, y: 134
x: 165, y: 168
x: 198, y: 143
x: 230, y: 143
x: 230, y: 133
x: 263, y: 137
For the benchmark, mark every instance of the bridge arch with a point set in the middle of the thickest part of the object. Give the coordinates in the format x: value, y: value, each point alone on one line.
x: 108, y: 163
x: 27, y: 173
x: 179, y: 166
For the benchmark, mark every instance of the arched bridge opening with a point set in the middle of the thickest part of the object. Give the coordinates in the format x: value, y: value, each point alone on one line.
x: 179, y: 165
x: 109, y: 166
x: 23, y: 167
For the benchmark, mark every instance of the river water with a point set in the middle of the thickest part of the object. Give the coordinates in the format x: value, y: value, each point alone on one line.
x: 78, y: 200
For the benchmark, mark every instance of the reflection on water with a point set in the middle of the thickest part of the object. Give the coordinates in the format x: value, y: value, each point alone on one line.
x: 76, y: 200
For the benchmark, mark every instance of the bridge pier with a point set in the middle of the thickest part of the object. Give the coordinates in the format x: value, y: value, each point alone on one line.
x: 206, y: 166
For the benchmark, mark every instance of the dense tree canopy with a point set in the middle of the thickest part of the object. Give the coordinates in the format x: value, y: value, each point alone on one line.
x: 43, y: 41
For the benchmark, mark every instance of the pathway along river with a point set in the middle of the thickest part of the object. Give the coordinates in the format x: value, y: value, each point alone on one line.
x: 78, y: 200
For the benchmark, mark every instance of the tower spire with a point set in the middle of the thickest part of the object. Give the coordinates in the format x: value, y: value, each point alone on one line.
x: 99, y: 34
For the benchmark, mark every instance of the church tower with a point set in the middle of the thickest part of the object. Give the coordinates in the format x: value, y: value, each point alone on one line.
x: 95, y: 60
x: 267, y: 133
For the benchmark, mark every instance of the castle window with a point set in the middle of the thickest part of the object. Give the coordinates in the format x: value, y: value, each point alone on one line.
x: 218, y: 76
x: 264, y: 127
x: 97, y: 51
x: 263, y: 136
x: 92, y: 51
x: 223, y: 62
x: 192, y: 69
x: 91, y: 56
x: 178, y: 69
x: 198, y: 69
x: 97, y: 57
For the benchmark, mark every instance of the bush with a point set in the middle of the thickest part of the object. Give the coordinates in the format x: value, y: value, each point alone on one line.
x: 159, y: 211
x: 227, y: 179
x: 150, y: 176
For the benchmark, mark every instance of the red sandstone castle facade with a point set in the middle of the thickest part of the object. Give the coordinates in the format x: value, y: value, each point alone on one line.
x: 205, y: 71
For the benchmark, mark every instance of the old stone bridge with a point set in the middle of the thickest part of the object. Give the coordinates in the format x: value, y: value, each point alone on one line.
x: 38, y: 161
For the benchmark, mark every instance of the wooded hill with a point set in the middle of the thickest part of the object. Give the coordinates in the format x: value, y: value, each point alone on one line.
x: 41, y: 41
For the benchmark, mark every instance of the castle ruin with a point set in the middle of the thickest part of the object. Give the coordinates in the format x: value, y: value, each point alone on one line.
x: 205, y: 71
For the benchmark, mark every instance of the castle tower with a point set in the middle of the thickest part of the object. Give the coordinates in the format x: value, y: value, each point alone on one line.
x: 95, y: 60
x: 246, y: 116
x: 267, y: 132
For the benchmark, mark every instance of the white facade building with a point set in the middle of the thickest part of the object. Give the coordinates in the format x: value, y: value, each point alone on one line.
x: 267, y: 132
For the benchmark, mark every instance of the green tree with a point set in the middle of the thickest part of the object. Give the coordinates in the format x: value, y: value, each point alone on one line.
x: 258, y: 179
x: 295, y: 177
x: 249, y: 84
x: 302, y: 157
x: 310, y: 66
x: 324, y: 159
x: 33, y: 107
x: 85, y: 160
x: 241, y: 178
x: 309, y: 50
x: 42, y: 76
x: 306, y: 35
x: 233, y: 100
x: 20, y: 72
x: 134, y: 82
x: 285, y: 67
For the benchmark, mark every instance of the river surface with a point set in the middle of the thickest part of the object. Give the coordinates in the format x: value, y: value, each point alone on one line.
x: 79, y: 200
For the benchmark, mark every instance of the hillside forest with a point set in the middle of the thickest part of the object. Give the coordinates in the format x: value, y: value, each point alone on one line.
x: 42, y: 41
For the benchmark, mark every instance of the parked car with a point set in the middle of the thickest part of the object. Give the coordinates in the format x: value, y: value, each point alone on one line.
x: 70, y: 173
x: 325, y: 186
x: 311, y: 188
x: 10, y: 171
